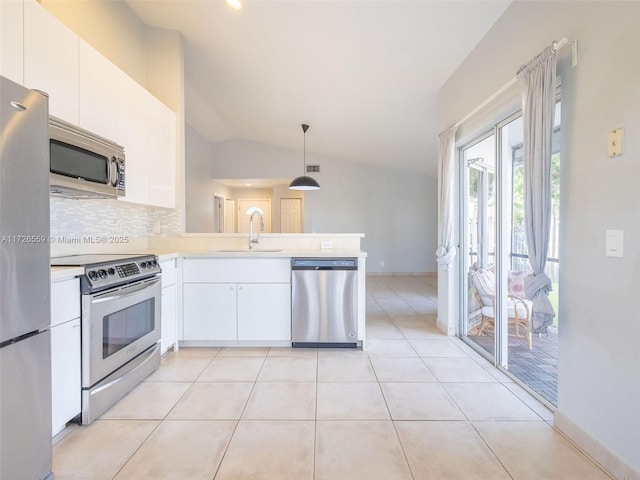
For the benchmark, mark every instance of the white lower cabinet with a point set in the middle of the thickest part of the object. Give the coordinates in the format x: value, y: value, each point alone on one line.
x: 65, y: 374
x: 210, y: 311
x: 218, y: 305
x: 169, y: 306
x: 264, y: 311
x: 65, y: 353
x: 168, y: 326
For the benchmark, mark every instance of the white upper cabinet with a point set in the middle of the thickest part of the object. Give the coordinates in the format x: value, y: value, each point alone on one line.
x: 146, y: 130
x: 133, y: 134
x: 51, y: 60
x: 98, y: 92
x: 86, y: 89
x: 11, y: 43
x: 162, y: 154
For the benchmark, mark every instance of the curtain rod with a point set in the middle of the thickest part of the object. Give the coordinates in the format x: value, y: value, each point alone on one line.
x: 556, y: 46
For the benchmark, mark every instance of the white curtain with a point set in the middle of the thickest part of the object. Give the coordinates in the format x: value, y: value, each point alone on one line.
x: 446, y: 250
x: 538, y: 85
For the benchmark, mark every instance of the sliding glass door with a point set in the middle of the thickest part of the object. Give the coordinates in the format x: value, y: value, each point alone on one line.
x: 495, y: 316
x: 478, y: 162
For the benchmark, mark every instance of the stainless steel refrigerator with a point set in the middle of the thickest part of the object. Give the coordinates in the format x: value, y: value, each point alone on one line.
x: 25, y: 349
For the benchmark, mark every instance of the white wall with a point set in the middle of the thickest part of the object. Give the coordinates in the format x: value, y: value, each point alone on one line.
x: 110, y: 27
x: 395, y: 209
x: 599, y: 358
x: 199, y: 188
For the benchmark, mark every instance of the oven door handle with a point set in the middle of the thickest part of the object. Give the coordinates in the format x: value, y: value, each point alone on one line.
x: 128, y: 291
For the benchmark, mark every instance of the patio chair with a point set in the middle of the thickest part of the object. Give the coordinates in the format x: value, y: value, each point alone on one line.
x: 518, y: 308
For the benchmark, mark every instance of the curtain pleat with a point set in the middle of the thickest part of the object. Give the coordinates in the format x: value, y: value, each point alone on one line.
x: 537, y: 82
x: 446, y: 250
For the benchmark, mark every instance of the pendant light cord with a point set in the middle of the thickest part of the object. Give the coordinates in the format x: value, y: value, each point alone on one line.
x: 305, y: 127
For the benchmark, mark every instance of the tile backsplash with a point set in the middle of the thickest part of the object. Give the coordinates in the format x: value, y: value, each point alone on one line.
x: 78, y: 219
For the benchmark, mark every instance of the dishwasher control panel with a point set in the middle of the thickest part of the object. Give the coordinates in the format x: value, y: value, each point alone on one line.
x: 324, y: 263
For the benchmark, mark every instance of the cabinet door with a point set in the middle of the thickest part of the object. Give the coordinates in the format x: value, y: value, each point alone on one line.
x: 65, y: 373
x: 168, y: 338
x: 264, y: 311
x: 162, y: 154
x: 51, y: 60
x: 133, y: 134
x: 168, y: 268
x: 98, y: 97
x: 65, y: 301
x: 209, y: 311
x: 11, y: 41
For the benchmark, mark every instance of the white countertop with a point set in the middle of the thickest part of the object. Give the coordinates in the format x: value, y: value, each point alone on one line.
x: 63, y: 273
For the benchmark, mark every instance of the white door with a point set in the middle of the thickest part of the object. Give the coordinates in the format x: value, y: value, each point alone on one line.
x: 291, y: 215
x: 218, y: 214
x: 243, y: 218
x: 229, y: 216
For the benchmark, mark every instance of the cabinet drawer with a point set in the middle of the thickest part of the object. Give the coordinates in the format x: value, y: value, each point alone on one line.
x: 236, y: 270
x: 65, y: 301
x: 65, y: 373
x: 168, y: 273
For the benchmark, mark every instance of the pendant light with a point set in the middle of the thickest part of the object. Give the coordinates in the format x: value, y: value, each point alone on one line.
x: 304, y: 182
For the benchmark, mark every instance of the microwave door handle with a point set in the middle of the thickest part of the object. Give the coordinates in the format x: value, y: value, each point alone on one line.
x: 109, y: 161
x: 113, y: 172
x: 125, y: 292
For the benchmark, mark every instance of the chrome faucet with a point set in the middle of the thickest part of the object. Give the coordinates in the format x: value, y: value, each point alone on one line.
x: 253, y: 211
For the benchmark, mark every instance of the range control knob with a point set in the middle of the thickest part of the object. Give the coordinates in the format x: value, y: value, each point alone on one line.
x: 102, y: 274
x: 92, y: 275
x: 154, y: 263
x: 111, y: 271
x: 143, y: 264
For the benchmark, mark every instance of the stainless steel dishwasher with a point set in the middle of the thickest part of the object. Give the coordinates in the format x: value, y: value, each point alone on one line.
x: 324, y: 302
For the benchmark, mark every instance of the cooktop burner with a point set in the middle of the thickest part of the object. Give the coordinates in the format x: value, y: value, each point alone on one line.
x: 102, y: 271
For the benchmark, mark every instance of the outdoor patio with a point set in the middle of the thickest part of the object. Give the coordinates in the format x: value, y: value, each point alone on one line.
x: 538, y: 367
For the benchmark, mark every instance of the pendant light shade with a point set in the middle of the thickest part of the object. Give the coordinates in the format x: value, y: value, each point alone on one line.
x: 304, y: 182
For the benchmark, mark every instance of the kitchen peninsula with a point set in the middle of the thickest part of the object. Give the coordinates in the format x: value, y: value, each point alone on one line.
x: 221, y: 293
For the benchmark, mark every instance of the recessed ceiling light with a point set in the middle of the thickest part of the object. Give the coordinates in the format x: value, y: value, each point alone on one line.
x: 235, y: 4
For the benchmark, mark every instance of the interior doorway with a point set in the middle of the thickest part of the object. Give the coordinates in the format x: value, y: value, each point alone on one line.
x: 229, y: 216
x: 219, y: 207
x: 243, y: 219
x: 291, y: 215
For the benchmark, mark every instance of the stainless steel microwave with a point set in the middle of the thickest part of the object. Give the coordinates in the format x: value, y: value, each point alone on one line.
x: 83, y: 164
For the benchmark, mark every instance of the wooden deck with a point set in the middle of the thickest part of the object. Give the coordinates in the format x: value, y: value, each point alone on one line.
x: 538, y: 367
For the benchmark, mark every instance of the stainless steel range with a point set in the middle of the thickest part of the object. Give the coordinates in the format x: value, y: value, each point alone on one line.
x: 120, y: 325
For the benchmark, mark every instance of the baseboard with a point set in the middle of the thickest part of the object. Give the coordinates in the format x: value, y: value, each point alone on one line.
x: 445, y: 328
x: 606, y: 459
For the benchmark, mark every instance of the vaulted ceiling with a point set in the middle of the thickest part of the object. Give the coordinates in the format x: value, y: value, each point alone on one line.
x: 364, y: 74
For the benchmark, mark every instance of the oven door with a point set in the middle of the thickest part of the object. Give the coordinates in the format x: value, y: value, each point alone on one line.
x: 117, y: 325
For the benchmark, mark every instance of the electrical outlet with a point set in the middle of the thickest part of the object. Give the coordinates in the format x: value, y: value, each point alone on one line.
x: 117, y: 226
x: 326, y: 244
x: 157, y: 227
x: 382, y: 263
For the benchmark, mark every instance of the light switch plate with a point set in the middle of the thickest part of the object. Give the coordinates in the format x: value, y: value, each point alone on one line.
x: 615, y: 138
x: 326, y: 244
x: 614, y: 243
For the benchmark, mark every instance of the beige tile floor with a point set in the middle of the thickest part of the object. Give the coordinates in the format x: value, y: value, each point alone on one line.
x: 415, y: 405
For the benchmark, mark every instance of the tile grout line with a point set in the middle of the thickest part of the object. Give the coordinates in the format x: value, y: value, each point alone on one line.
x: 237, y: 422
x: 161, y: 420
